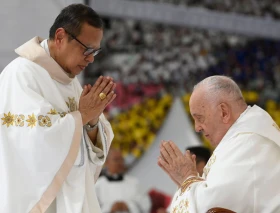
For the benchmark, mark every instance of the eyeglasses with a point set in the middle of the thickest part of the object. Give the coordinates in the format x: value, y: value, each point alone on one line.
x: 88, y: 50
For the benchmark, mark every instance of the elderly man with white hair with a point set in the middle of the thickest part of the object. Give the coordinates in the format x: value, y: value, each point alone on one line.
x: 244, y: 171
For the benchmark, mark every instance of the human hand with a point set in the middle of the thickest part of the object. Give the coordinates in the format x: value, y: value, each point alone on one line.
x: 91, y: 106
x: 177, y: 165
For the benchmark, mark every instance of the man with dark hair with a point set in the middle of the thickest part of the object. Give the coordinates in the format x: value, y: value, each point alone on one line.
x: 54, y: 137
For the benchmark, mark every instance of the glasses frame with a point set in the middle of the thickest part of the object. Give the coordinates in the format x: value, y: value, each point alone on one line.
x: 88, y: 50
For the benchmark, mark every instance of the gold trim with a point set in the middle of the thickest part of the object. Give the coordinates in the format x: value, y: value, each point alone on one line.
x: 72, y: 104
x: 62, y: 114
x: 8, y: 119
x: 209, y: 164
x: 31, y: 120
x: 52, y: 112
x: 181, y: 207
x: 44, y: 121
x: 188, y: 182
x: 51, y: 192
x: 19, y: 120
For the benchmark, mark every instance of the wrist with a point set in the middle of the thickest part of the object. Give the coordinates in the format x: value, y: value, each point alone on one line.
x: 89, y: 127
x: 93, y: 122
x: 189, y: 175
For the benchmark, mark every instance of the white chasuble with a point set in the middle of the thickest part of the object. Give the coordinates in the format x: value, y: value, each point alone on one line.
x: 46, y: 156
x: 242, y: 174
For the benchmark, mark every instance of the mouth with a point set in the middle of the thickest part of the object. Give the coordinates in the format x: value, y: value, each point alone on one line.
x: 206, y: 136
x: 82, y: 67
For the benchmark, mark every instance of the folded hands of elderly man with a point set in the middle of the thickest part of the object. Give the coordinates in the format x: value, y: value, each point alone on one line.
x: 177, y: 165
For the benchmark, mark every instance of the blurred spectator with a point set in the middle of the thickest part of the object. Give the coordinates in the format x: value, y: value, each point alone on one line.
x: 160, y: 201
x: 118, y: 192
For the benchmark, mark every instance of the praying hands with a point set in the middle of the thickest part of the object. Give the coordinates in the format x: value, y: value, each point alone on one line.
x: 177, y: 165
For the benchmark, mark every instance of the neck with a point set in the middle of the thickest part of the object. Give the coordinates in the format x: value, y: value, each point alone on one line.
x: 239, y: 109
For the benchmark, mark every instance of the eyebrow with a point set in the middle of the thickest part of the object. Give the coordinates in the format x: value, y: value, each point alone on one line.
x: 197, y: 115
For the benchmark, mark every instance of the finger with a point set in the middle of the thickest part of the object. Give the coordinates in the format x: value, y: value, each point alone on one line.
x: 103, y: 84
x: 163, y: 165
x: 114, y: 87
x: 89, y: 87
x: 166, y: 170
x: 188, y: 155
x: 169, y: 149
x: 164, y: 154
x: 111, y: 99
x: 97, y: 83
x: 85, y: 91
x: 175, y: 148
x: 108, y: 88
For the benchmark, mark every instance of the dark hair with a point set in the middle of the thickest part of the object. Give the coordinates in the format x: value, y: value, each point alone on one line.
x: 202, y: 153
x: 72, y: 18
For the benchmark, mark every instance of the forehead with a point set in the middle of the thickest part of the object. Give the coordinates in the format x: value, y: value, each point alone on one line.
x: 198, y: 102
x: 91, y: 36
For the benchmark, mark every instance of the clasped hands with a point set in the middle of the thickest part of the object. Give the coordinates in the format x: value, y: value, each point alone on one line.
x: 94, y: 99
x: 177, y: 165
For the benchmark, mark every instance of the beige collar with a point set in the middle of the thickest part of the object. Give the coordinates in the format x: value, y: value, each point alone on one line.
x: 33, y: 51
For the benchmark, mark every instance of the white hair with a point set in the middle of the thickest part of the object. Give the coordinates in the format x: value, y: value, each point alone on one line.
x: 220, y: 87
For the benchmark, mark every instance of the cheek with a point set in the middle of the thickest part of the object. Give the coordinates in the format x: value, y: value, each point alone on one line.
x: 74, y: 60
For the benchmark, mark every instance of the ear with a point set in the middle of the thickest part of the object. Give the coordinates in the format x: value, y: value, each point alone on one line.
x: 225, y: 113
x: 60, y: 35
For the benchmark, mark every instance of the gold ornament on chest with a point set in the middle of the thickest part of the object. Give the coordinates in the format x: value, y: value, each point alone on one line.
x: 72, y: 104
x: 208, y: 166
x: 182, y: 207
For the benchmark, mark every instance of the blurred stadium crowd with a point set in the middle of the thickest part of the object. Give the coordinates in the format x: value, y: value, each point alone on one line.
x: 153, y: 62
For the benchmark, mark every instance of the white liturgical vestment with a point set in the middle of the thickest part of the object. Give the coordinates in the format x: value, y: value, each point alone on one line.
x: 243, y: 173
x: 127, y: 190
x: 46, y: 156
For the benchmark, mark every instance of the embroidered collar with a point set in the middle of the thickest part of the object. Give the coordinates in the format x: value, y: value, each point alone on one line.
x: 33, y: 51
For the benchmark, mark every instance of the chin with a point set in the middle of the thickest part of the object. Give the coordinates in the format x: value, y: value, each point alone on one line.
x: 74, y: 73
x: 214, y: 143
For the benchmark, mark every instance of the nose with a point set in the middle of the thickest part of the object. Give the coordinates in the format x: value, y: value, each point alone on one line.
x: 198, y: 128
x: 90, y: 58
